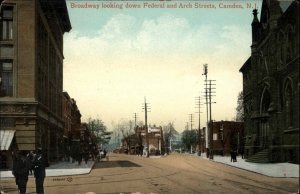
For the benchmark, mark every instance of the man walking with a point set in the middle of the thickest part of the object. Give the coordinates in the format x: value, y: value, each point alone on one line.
x: 40, y: 163
x: 20, y: 170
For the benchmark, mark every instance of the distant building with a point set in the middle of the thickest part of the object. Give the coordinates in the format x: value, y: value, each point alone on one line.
x: 31, y: 74
x: 271, y: 84
x: 155, y: 137
x: 72, y: 128
x: 227, y: 136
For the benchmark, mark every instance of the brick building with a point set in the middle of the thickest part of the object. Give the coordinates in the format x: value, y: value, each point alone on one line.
x: 271, y: 84
x: 227, y: 136
x: 31, y: 74
x: 72, y: 128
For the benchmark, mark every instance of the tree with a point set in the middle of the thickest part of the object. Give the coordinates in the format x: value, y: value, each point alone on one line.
x: 189, y: 138
x: 97, y: 127
x: 240, y: 107
x: 169, y: 133
x: 122, y: 131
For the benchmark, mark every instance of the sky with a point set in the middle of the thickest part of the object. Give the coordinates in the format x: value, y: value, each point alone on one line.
x: 115, y: 58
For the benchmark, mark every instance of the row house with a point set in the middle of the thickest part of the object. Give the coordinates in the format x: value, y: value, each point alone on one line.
x: 31, y: 75
x: 72, y: 127
x: 77, y: 137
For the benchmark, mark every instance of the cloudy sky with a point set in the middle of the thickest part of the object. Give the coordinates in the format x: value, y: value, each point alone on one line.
x: 116, y: 57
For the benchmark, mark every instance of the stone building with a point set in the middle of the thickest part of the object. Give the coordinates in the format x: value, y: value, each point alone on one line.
x: 271, y: 84
x: 31, y: 73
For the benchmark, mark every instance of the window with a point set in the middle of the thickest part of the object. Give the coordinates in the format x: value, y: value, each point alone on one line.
x: 6, y: 78
x: 215, y: 136
x: 6, y: 51
x: 7, y: 122
x: 288, y: 105
x: 6, y: 23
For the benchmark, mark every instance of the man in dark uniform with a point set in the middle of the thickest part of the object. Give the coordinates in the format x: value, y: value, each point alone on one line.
x: 20, y: 170
x: 40, y: 163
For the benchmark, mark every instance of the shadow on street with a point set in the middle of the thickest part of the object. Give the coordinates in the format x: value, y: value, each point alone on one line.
x: 113, y: 164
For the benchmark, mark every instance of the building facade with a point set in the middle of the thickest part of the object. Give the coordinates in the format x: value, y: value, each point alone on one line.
x: 155, y: 139
x: 72, y: 126
x: 271, y: 84
x: 31, y: 73
x: 227, y: 136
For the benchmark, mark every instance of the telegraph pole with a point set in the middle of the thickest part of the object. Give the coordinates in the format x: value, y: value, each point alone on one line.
x: 198, y: 104
x: 135, y: 117
x: 205, y: 72
x: 210, y: 93
x: 191, y: 120
x: 146, y: 125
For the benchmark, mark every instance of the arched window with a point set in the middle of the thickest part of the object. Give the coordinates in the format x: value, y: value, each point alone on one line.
x: 265, y: 101
x: 282, y: 42
x: 288, y: 94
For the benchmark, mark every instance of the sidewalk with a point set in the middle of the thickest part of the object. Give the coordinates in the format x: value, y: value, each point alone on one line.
x: 60, y: 169
x: 286, y: 170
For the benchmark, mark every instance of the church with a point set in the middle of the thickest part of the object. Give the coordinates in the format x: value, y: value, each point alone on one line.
x: 271, y: 84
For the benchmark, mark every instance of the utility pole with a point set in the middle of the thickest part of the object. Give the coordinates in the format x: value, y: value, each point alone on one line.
x: 146, y: 125
x: 198, y: 104
x: 205, y: 72
x: 210, y: 93
x: 130, y: 125
x: 191, y: 120
x: 135, y: 117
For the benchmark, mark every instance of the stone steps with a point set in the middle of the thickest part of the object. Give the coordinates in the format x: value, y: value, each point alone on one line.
x: 259, y: 157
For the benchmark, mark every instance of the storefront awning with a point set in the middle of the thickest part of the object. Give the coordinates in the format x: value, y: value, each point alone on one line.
x: 6, y: 137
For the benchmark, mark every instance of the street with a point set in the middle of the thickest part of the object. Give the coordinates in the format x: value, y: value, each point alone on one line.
x: 176, y: 173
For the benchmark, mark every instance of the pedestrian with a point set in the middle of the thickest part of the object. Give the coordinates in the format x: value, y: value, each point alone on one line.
x: 141, y: 150
x: 242, y: 153
x: 20, y: 170
x: 40, y: 163
x: 231, y: 156
x: 86, y: 156
x: 104, y: 153
x: 30, y: 156
x: 234, y: 156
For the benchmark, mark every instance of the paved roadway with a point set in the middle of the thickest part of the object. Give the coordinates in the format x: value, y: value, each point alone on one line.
x: 177, y: 173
